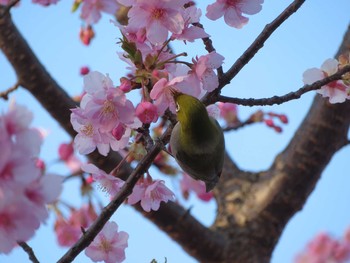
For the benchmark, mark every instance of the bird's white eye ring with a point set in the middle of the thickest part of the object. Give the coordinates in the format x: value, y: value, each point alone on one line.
x: 177, y: 107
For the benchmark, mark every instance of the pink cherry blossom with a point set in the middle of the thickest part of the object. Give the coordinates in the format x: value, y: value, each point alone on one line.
x: 151, y: 193
x: 103, y: 108
x: 162, y: 94
x: 108, y: 182
x: 68, y: 231
x: 228, y: 111
x: 45, y: 2
x: 188, y: 184
x: 336, y: 91
x: 213, y: 111
x: 91, y: 9
x: 117, y: 145
x: 44, y: 190
x: 17, y: 221
x: 89, y: 136
x: 146, y: 112
x: 65, y: 151
x: 203, y: 69
x: 157, y: 17
x: 109, y: 245
x: 190, y: 32
x: 18, y: 118
x: 105, y: 103
x: 24, y: 189
x: 233, y: 11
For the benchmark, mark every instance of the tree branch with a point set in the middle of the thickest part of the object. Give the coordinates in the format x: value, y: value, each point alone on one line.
x: 259, y: 42
x: 287, y: 97
x: 29, y: 251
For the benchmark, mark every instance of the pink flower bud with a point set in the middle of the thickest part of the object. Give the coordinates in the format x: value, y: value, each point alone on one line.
x: 125, y: 85
x: 40, y: 164
x: 283, y: 118
x: 146, y: 112
x: 86, y: 35
x: 269, y: 122
x: 277, y: 129
x: 84, y: 70
x: 65, y: 151
x: 118, y: 131
x: 228, y: 112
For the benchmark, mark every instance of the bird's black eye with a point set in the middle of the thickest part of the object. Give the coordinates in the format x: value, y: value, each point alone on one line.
x: 177, y: 107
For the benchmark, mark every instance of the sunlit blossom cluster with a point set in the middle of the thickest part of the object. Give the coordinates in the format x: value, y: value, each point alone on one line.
x: 108, y: 246
x: 105, y: 117
x: 24, y: 188
x: 337, y: 91
x: 148, y: 192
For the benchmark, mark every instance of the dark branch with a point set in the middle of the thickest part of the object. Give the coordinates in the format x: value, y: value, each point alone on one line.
x: 259, y: 42
x: 208, y: 43
x: 29, y: 251
x: 287, y: 97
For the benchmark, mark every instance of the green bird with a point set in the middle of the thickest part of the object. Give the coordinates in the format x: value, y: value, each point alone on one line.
x: 197, y: 141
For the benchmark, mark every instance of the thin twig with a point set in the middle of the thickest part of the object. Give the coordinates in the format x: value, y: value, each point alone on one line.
x: 118, y: 199
x: 29, y: 251
x: 289, y: 96
x: 208, y: 43
x: 6, y: 93
x: 238, y: 125
x: 7, y: 8
x: 259, y: 42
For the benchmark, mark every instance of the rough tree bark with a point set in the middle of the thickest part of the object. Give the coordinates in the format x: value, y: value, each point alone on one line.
x: 253, y: 208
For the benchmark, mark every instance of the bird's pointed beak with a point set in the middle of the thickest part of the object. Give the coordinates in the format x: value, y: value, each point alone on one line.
x: 174, y: 92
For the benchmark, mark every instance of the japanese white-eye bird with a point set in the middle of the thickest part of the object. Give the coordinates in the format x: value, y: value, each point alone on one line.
x: 197, y: 141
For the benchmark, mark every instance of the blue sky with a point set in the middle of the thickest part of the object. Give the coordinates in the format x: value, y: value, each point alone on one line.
x: 311, y: 36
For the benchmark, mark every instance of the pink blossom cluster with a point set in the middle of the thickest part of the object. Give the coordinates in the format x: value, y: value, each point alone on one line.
x: 24, y: 189
x: 150, y: 193
x: 105, y: 117
x: 337, y: 91
x: 323, y: 248
x: 69, y: 230
x: 155, y: 20
x: 108, y: 246
x: 196, y: 81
